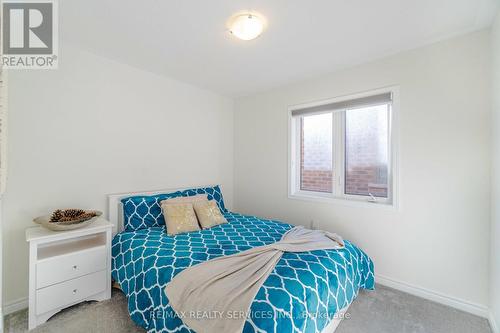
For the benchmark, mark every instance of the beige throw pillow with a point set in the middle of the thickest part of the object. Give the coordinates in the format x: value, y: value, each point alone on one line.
x: 191, y: 199
x: 179, y: 218
x: 208, y: 213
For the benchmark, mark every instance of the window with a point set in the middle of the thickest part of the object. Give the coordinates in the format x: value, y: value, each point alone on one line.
x: 316, y: 169
x: 343, y: 149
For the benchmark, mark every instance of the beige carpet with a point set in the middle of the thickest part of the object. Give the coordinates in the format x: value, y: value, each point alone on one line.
x: 383, y: 310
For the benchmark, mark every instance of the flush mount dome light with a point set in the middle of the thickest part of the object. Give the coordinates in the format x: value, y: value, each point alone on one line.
x: 246, y: 26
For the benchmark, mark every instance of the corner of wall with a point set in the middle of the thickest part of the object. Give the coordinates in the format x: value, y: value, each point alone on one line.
x: 494, y: 302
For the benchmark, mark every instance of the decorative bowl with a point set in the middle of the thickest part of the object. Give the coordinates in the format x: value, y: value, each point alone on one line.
x: 44, y: 221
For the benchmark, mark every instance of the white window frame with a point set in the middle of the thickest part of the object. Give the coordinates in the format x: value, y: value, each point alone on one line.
x: 338, y: 195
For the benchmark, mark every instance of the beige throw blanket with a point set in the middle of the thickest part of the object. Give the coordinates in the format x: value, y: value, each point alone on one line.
x: 215, y: 296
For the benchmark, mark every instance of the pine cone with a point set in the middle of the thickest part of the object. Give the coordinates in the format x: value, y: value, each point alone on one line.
x: 88, y: 215
x: 68, y: 215
x: 73, y: 213
x: 56, y: 216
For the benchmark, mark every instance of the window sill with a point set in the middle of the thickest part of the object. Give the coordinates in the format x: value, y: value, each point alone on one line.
x: 344, y: 201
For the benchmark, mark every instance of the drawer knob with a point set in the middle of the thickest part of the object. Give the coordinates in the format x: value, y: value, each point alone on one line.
x: 75, y: 267
x: 74, y: 291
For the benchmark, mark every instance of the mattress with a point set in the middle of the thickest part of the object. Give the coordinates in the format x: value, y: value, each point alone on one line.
x: 303, y: 293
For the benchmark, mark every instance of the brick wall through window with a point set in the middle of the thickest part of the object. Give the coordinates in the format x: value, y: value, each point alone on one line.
x: 366, y: 152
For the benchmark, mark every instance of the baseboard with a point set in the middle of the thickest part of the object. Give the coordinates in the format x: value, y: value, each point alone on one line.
x: 493, y: 323
x: 15, y: 306
x: 457, y: 303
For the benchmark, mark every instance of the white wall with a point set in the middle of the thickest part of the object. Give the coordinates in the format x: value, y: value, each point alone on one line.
x: 94, y: 127
x: 495, y: 195
x: 438, y: 240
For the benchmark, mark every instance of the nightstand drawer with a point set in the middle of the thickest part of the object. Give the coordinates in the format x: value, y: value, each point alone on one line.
x: 69, y: 292
x: 69, y: 266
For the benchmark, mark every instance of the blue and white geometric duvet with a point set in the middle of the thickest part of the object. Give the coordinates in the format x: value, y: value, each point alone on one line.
x: 302, y: 294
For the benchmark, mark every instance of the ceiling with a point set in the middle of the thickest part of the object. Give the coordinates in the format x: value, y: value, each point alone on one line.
x: 187, y: 39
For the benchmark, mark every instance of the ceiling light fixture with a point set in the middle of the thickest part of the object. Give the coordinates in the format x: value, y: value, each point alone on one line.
x: 246, y: 26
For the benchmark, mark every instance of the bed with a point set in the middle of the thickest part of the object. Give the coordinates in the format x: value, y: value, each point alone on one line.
x: 306, y: 292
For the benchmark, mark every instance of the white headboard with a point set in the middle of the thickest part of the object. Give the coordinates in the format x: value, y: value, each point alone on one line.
x: 115, y: 207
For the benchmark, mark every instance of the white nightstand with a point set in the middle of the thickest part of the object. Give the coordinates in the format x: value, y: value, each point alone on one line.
x: 67, y: 267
